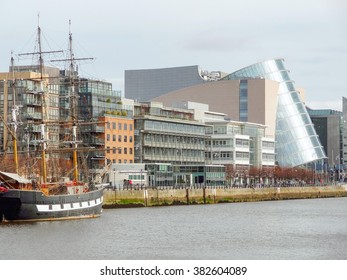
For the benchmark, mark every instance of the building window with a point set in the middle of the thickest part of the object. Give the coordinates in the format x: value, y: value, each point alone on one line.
x: 125, y: 151
x: 119, y: 126
x: 130, y: 127
x: 114, y: 125
x: 130, y: 139
x: 125, y: 138
x: 119, y: 161
x: 108, y: 149
x: 243, y: 101
x: 114, y: 137
x: 119, y: 138
x: 108, y: 125
x: 125, y: 126
x: 131, y: 151
x: 108, y: 137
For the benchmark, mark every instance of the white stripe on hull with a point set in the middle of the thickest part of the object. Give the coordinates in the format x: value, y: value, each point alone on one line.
x: 69, y: 206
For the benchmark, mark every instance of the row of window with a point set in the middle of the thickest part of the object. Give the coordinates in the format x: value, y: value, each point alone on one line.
x: 268, y: 157
x: 242, y: 142
x: 114, y: 150
x: 136, y: 177
x: 174, y: 127
x: 226, y: 129
x: 119, y: 161
x: 114, y: 138
x: 173, y: 152
x: 225, y: 143
x: 242, y: 155
x: 268, y: 144
x: 173, y: 139
x: 121, y: 126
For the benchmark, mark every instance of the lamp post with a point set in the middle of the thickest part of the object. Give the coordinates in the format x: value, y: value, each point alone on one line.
x: 114, y: 178
x: 314, y: 171
x: 141, y: 178
x: 114, y: 186
x: 338, y: 166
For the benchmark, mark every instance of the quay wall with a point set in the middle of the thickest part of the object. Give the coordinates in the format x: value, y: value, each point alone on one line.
x: 170, y: 196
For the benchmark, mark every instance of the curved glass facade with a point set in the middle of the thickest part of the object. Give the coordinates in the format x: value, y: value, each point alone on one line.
x: 296, y: 140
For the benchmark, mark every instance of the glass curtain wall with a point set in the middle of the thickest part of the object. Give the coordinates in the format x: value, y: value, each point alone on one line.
x: 297, y: 142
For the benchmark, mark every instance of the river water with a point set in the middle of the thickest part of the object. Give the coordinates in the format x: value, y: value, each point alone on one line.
x: 289, y: 230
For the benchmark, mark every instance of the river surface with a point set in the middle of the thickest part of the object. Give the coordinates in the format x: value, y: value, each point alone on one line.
x: 288, y: 230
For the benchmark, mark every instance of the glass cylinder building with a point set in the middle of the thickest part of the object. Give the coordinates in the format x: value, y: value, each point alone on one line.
x: 297, y: 142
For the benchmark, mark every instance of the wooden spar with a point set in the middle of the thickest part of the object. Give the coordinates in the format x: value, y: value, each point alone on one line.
x: 75, y: 163
x: 14, y: 119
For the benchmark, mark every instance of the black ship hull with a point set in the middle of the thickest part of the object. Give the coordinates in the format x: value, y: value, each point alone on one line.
x: 30, y: 205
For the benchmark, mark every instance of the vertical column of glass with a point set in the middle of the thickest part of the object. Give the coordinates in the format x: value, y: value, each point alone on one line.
x: 244, y: 100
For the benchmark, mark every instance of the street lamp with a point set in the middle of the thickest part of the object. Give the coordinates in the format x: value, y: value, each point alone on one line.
x: 114, y: 178
x: 114, y: 186
x: 141, y: 178
x: 314, y: 171
x: 338, y: 166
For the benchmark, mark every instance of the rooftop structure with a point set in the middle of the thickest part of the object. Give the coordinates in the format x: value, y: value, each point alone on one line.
x: 146, y: 84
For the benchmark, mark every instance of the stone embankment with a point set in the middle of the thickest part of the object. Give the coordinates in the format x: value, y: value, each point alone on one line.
x: 171, y: 196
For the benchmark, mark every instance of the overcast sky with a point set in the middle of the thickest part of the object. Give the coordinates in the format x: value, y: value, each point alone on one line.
x: 225, y: 35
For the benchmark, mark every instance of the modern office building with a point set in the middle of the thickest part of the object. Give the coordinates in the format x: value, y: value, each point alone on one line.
x: 167, y: 135
x: 328, y: 125
x: 297, y: 142
x: 109, y: 124
x: 225, y: 97
x: 32, y: 98
x: 240, y: 144
x: 261, y: 93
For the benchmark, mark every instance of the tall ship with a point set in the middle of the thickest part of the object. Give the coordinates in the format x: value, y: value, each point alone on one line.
x: 46, y: 178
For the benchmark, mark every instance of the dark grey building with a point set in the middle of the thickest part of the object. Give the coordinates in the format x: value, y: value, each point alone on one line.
x: 146, y: 84
x: 328, y: 125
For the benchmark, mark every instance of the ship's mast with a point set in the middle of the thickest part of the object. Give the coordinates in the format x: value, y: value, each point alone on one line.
x: 14, y: 113
x: 73, y: 105
x: 73, y: 95
x: 43, y: 137
x: 12, y: 128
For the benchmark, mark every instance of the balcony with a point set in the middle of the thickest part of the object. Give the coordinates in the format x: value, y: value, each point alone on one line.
x: 97, y: 141
x: 97, y: 155
x: 35, y: 116
x: 99, y: 129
